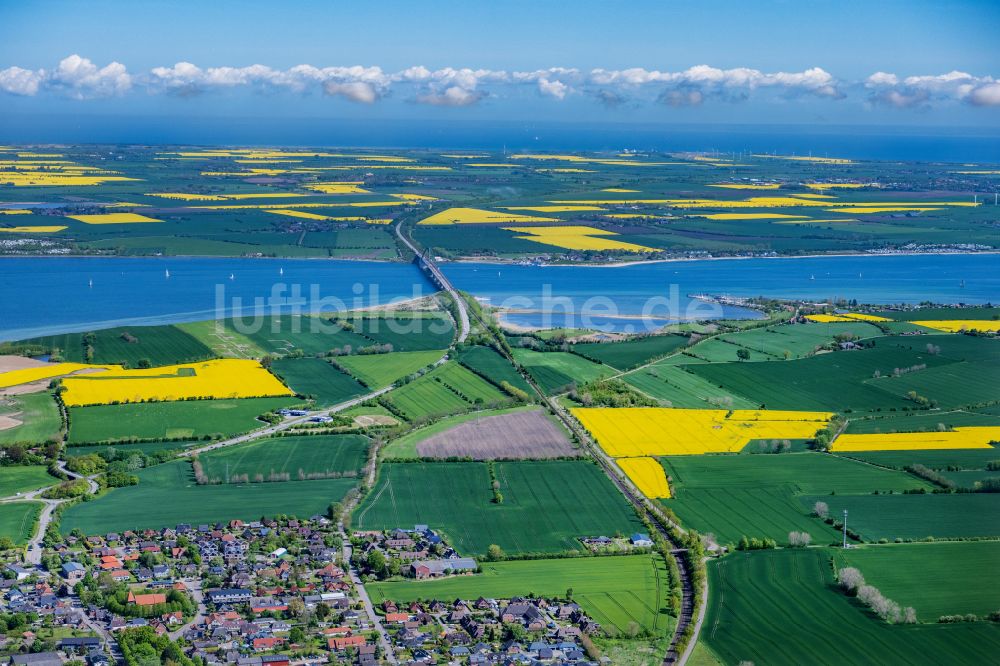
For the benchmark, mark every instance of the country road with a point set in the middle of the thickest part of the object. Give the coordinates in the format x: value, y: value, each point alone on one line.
x: 443, y: 282
x: 287, y: 423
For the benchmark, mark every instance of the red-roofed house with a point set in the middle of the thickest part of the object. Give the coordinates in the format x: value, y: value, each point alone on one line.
x: 342, y: 642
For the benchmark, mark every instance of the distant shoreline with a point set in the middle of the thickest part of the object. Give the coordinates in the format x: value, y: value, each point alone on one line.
x: 496, y: 262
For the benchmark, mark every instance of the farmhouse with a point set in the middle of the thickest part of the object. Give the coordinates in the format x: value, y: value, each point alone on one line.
x: 147, y: 599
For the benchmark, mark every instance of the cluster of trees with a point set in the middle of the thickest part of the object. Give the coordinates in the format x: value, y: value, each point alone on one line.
x: 799, y: 539
x: 142, y: 646
x: 774, y: 446
x: 68, y: 490
x: 826, y: 436
x: 757, y: 543
x: 114, y: 597
x: 611, y: 393
x: 272, y: 477
x: 853, y: 583
x: 18, y: 454
x: 494, y: 483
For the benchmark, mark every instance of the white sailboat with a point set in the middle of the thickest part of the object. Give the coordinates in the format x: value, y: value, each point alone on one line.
x: 90, y: 283
x: 281, y: 271
x: 232, y: 276
x: 167, y: 272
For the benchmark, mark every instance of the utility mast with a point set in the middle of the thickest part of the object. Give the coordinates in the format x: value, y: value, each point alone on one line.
x: 845, y: 528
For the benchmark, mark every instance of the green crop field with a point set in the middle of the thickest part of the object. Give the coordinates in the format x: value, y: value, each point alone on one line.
x: 970, y: 459
x: 921, y: 422
x: 160, y: 345
x: 546, y: 506
x: 798, y: 340
x: 17, y: 520
x: 631, y: 353
x: 950, y: 385
x: 783, y: 607
x: 446, y: 389
x: 834, y: 382
x: 23, y: 478
x: 917, y: 516
x: 167, y: 420
x: 406, y: 332
x: 614, y: 591
x: 934, y: 578
x: 486, y: 362
x: 929, y: 314
x: 555, y: 371
x: 377, y: 370
x: 724, y: 350
x: 167, y: 495
x: 681, y: 388
x: 315, y: 378
x: 310, y: 454
x: 285, y: 333
x: 757, y: 495
x: 220, y: 336
x: 39, y: 417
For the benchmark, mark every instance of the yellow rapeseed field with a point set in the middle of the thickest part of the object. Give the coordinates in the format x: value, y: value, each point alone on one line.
x: 647, y: 474
x: 32, y: 230
x: 566, y: 170
x: 958, y: 325
x: 847, y: 316
x: 184, y: 196
x: 28, y: 375
x: 881, y: 209
x: 764, y: 202
x: 338, y: 188
x: 223, y: 378
x: 960, y: 438
x: 16, y: 211
x: 414, y: 197
x: 478, y: 216
x: 577, y: 238
x: 865, y: 317
x: 747, y: 186
x: 750, y: 216
x: 335, y: 218
x: 653, y: 431
x: 113, y: 218
x: 554, y: 209
x: 619, y: 189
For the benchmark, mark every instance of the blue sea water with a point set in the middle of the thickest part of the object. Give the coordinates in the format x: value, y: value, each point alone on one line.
x: 61, y: 294
x: 562, y: 295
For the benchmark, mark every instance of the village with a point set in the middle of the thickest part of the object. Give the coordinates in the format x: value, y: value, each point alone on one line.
x: 267, y: 593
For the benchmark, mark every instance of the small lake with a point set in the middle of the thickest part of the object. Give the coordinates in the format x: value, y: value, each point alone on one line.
x: 60, y: 294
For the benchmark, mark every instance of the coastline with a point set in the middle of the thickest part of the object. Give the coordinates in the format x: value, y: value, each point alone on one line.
x: 496, y: 262
x: 625, y: 264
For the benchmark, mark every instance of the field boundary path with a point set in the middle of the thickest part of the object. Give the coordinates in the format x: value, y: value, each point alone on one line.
x: 285, y: 424
x: 638, y: 501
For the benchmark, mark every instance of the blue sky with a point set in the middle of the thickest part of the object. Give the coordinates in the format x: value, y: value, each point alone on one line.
x: 886, y: 62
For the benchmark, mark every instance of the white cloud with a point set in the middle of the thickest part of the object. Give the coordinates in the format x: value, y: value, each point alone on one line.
x: 701, y: 82
x: 80, y: 78
x: 922, y: 91
x: 18, y: 81
x: 986, y: 95
x: 451, y: 96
